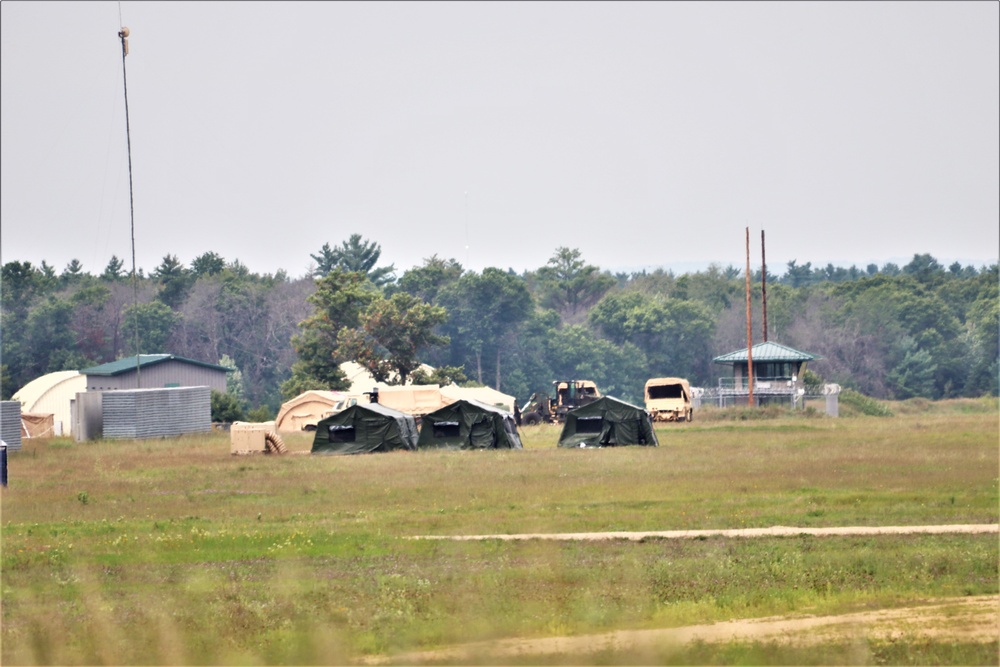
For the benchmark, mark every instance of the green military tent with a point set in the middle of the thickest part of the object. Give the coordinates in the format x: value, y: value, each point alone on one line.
x: 469, y: 424
x: 607, y: 422
x: 364, y: 428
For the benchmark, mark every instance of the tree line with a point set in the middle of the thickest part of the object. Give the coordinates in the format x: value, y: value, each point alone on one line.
x: 889, y: 332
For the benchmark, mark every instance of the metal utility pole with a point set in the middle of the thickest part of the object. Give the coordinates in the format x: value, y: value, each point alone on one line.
x: 763, y: 281
x: 749, y: 330
x: 123, y: 36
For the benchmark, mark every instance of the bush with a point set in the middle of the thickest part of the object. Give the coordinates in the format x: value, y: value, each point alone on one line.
x: 865, y: 405
x: 226, y: 408
x: 745, y: 413
x: 261, y: 413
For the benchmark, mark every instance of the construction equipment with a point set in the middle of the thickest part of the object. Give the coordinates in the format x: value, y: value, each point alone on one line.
x: 669, y: 399
x: 569, y: 394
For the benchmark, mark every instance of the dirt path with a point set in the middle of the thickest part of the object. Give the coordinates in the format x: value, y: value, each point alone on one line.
x: 967, y: 619
x: 970, y: 618
x: 733, y: 532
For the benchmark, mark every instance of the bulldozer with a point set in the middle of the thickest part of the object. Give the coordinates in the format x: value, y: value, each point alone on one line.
x: 569, y: 394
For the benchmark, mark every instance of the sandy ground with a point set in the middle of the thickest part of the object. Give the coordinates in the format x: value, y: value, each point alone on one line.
x: 966, y: 619
x: 733, y: 532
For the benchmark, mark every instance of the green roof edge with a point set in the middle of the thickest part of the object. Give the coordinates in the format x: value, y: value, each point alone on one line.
x: 126, y: 364
x: 740, y: 355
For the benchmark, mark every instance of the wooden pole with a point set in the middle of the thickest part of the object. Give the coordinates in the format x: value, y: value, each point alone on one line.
x: 763, y: 281
x: 749, y: 330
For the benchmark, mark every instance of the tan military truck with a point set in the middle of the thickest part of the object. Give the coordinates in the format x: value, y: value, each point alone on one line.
x: 669, y: 399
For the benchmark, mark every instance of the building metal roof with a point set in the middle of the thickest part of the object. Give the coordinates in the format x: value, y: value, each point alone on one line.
x: 767, y: 352
x: 145, y: 360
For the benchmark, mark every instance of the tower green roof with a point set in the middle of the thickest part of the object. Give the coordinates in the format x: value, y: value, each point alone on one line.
x: 767, y: 352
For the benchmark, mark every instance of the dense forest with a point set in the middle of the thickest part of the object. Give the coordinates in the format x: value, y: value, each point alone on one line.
x: 890, y: 332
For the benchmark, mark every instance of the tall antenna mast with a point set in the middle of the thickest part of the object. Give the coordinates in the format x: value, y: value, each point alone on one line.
x: 763, y: 281
x: 123, y: 36
x: 749, y: 330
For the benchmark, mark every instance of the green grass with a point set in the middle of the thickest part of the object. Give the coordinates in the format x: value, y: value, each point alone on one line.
x: 174, y: 551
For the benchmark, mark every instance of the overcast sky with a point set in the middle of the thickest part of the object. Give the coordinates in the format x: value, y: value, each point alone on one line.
x: 645, y: 134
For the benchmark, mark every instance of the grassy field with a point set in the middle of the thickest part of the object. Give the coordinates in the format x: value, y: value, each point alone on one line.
x: 173, y: 551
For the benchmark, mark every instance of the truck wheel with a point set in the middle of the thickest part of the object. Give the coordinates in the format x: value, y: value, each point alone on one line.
x: 690, y: 415
x: 531, y: 419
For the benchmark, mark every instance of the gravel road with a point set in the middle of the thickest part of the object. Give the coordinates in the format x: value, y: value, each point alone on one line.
x: 733, y: 532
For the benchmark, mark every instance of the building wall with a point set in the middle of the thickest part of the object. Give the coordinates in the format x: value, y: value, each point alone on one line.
x: 170, y: 373
x: 87, y: 409
x: 10, y: 424
x: 156, y: 413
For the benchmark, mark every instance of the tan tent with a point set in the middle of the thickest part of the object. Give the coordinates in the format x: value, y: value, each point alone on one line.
x: 307, y: 407
x: 51, y: 394
x: 416, y: 399
x: 487, y: 395
x: 361, y: 379
x: 35, y: 425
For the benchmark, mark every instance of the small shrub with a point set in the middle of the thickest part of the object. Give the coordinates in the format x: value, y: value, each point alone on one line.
x: 226, y: 408
x: 261, y: 413
x: 746, y: 413
x: 865, y: 405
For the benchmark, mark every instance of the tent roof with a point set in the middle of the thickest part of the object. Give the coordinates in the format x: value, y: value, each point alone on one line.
x: 482, y: 407
x: 308, y: 404
x: 362, y: 380
x: 129, y: 363
x: 320, y: 395
x: 31, y: 393
x: 414, y: 399
x: 486, y: 395
x: 378, y: 409
x: 603, y: 404
x: 767, y: 352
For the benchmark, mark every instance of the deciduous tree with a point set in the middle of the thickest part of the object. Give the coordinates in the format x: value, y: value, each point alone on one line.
x: 484, y: 311
x: 391, y: 335
x: 425, y: 282
x: 339, y: 299
x: 155, y: 321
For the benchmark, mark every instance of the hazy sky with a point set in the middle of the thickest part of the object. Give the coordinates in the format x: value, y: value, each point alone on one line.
x: 645, y: 134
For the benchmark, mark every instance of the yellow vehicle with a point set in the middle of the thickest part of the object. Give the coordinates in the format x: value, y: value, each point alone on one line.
x: 669, y: 399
